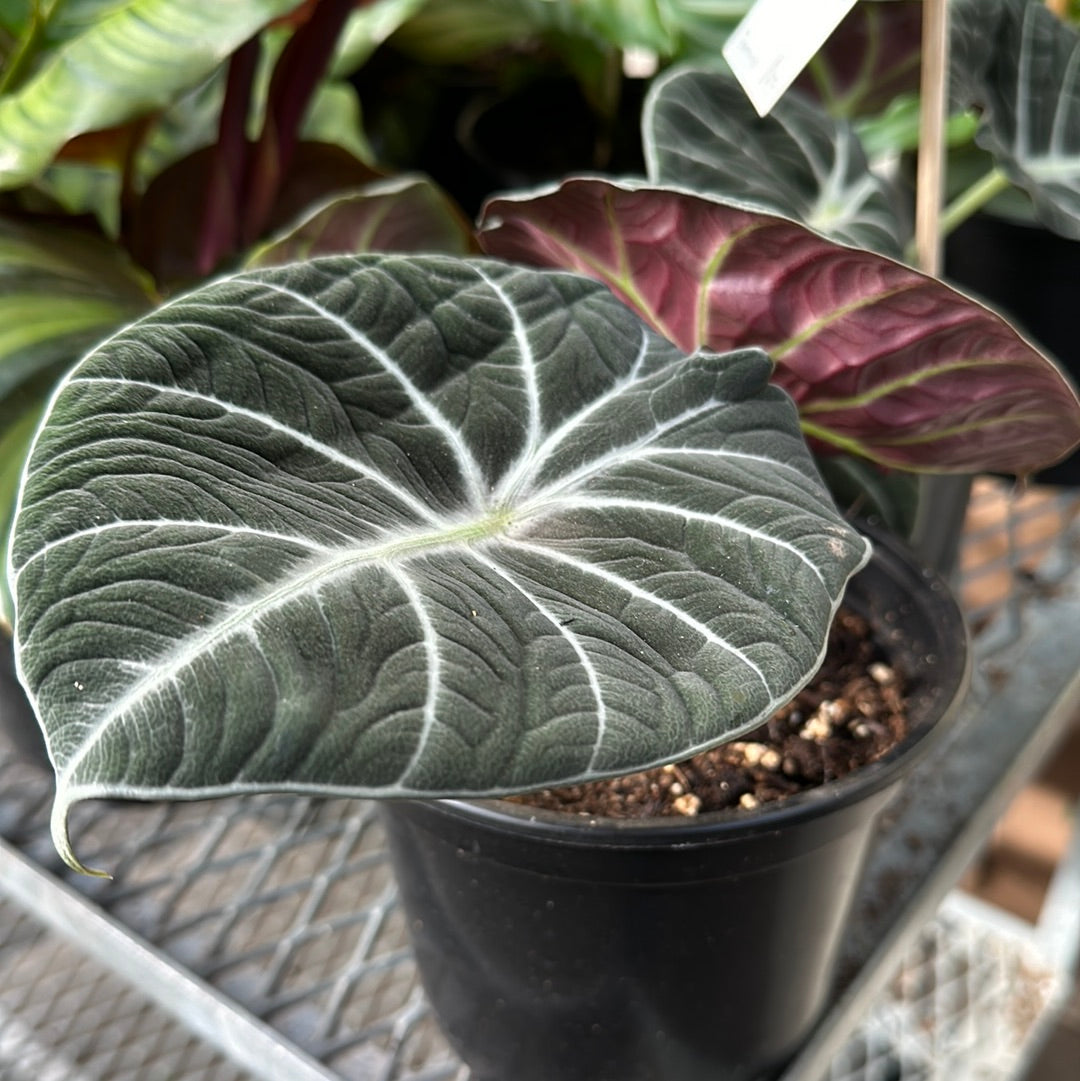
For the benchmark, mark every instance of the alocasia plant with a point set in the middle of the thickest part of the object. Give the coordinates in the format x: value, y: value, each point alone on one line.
x: 423, y: 525
x: 411, y: 526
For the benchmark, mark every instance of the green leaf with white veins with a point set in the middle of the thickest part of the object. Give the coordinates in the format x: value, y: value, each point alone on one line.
x: 411, y: 525
x: 1019, y: 65
x: 702, y: 133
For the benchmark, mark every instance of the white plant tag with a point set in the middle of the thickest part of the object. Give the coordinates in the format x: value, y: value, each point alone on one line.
x: 776, y: 40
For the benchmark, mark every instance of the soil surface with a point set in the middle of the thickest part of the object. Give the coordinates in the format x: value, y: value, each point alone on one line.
x: 850, y: 714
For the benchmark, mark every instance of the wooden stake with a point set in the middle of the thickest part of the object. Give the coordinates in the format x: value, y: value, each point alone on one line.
x: 930, y: 177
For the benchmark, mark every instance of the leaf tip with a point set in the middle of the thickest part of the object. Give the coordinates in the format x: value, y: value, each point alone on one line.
x: 62, y: 841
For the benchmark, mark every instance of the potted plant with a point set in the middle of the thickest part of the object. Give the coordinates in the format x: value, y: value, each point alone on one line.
x: 433, y: 526
x: 146, y: 146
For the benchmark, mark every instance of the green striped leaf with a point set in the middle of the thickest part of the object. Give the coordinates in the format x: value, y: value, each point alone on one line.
x: 133, y: 59
x: 61, y: 291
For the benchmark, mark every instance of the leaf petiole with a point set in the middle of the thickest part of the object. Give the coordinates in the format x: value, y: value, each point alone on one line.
x: 992, y: 184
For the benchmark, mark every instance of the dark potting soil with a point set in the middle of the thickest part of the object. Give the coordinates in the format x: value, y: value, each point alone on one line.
x: 850, y: 714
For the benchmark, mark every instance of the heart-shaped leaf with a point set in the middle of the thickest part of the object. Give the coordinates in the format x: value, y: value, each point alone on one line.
x: 411, y: 526
x: 135, y: 58
x: 407, y: 213
x: 702, y: 133
x: 1018, y: 63
x: 883, y: 362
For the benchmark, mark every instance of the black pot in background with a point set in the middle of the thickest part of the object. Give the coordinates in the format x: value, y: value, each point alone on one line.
x: 1032, y: 276
x: 18, y: 725
x: 660, y: 950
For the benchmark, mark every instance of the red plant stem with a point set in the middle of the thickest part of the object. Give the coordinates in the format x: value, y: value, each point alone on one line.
x: 129, y: 196
x: 219, y: 228
x: 296, y: 76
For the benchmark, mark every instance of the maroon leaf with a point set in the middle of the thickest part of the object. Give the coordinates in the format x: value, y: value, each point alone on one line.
x: 872, y: 56
x: 405, y: 214
x: 219, y: 228
x: 296, y: 75
x: 882, y: 361
x: 161, y: 238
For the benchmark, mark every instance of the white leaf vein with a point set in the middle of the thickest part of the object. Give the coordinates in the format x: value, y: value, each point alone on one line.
x: 652, y: 507
x: 639, y: 593
x: 575, y: 644
x: 470, y: 470
x: 182, y: 523
x: 519, y: 479
x: 430, y: 641
x: 619, y: 455
x: 308, y: 579
x: 325, y: 450
x: 528, y: 366
x: 736, y: 455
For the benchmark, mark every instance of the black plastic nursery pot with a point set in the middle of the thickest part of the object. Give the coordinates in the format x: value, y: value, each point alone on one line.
x: 559, y: 948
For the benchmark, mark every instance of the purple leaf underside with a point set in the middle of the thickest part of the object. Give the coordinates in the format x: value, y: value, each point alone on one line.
x: 882, y: 361
x: 409, y: 214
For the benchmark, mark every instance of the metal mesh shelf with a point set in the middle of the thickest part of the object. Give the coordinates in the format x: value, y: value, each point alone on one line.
x: 285, y: 906
x: 970, y: 1000
x: 259, y: 937
x: 65, y: 1018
